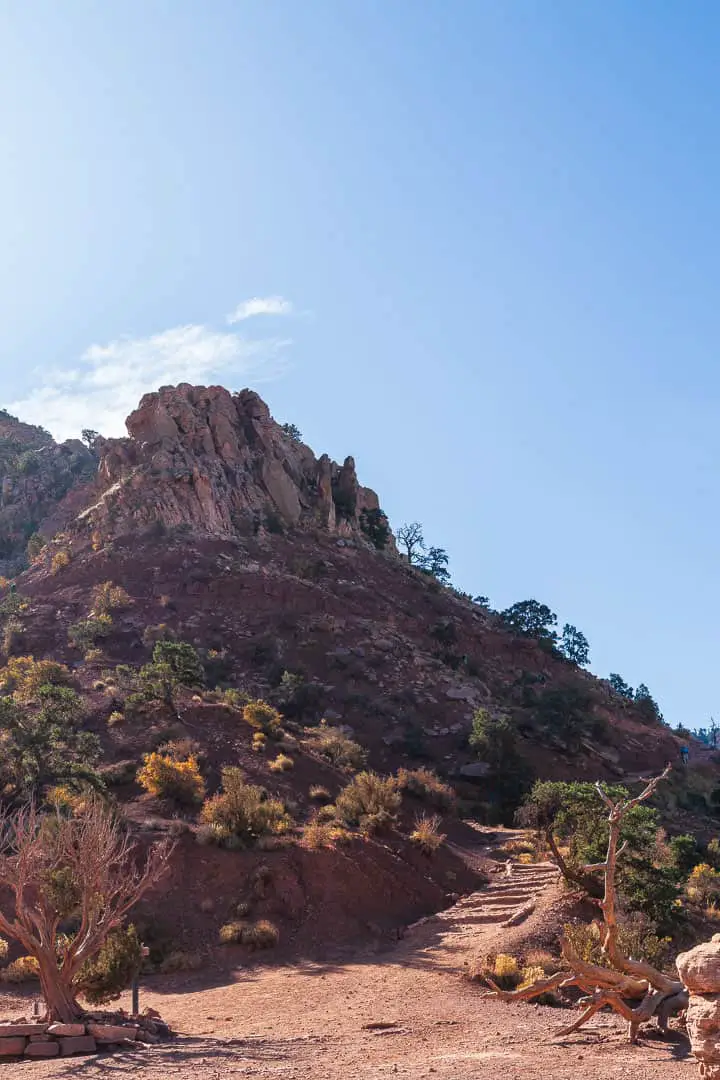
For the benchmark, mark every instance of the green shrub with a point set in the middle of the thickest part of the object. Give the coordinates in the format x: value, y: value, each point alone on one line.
x: 636, y: 938
x: 242, y: 811
x: 112, y: 970
x: 263, y: 717
x: 368, y: 799
x: 87, y: 632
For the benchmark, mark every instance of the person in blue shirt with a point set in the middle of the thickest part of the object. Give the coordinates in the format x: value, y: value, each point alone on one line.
x: 684, y: 754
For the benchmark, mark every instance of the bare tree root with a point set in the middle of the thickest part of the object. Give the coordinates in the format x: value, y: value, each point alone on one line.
x: 627, y: 980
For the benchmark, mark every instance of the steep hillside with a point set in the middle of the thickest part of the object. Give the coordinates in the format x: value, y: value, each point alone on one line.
x: 218, y: 528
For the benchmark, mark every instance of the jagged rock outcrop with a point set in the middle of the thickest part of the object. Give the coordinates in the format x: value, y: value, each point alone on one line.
x: 36, y: 474
x: 217, y: 463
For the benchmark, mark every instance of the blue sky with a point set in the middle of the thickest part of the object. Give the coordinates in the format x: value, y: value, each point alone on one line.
x: 494, y: 226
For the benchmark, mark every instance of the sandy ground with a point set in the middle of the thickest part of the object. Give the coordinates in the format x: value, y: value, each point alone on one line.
x: 405, y: 1011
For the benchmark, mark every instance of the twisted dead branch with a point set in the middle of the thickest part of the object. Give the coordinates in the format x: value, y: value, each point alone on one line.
x: 628, y: 981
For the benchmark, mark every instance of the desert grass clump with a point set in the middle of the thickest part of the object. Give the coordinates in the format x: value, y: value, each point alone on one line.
x: 426, y: 833
x: 242, y: 813
x: 116, y: 717
x: 426, y: 784
x: 259, y: 742
x: 369, y: 800
x: 320, y: 794
x: 167, y: 778
x: 263, y: 717
x: 337, y: 748
x: 282, y: 763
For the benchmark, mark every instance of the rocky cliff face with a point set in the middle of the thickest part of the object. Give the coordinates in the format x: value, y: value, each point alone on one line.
x: 36, y: 474
x: 217, y: 463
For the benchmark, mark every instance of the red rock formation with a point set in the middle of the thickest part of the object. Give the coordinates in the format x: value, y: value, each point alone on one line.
x: 218, y: 463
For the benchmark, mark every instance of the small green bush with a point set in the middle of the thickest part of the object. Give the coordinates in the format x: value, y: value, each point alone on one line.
x: 105, y: 977
x: 427, y: 785
x: 87, y: 632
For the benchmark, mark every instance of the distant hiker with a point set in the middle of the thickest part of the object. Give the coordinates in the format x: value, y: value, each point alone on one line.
x: 684, y: 754
x: 508, y: 867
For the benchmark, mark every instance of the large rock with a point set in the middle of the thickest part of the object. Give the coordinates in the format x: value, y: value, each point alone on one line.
x: 42, y: 1049
x: 12, y: 1047
x: 70, y: 1030
x: 78, y: 1044
x: 217, y: 462
x: 699, y: 969
x: 12, y: 1030
x: 111, y: 1033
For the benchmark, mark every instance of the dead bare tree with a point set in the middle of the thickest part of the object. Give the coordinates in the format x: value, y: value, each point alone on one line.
x: 53, y: 867
x: 627, y: 981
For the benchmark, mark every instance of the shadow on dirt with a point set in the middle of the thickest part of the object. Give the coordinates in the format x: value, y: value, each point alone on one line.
x: 180, y: 1056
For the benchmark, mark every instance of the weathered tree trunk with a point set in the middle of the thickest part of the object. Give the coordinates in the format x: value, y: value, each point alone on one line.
x: 57, y: 991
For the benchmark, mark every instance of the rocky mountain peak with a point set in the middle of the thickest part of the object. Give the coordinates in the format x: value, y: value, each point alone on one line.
x: 217, y: 463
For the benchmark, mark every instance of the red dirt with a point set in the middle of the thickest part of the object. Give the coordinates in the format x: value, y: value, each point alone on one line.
x: 371, y: 1013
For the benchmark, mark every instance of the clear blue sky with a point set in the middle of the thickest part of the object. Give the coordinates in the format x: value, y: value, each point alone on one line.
x: 497, y: 224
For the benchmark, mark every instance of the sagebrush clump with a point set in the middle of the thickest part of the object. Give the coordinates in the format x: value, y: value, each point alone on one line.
x: 337, y: 747
x: 426, y: 785
x: 368, y: 800
x: 242, y: 812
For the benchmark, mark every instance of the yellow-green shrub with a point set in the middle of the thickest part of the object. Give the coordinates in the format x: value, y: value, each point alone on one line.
x: 169, y: 779
x: 108, y: 597
x: 59, y: 561
x: 264, y: 717
x: 282, y: 763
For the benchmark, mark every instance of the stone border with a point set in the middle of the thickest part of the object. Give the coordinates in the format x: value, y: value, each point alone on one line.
x: 38, y: 1040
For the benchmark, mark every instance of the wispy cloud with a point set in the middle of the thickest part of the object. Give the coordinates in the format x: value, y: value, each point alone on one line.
x: 106, y: 384
x: 260, y: 305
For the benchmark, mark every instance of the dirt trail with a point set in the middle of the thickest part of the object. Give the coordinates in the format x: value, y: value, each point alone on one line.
x: 403, y: 1011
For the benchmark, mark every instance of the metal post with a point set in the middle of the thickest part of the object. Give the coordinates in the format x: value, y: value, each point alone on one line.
x: 135, y: 987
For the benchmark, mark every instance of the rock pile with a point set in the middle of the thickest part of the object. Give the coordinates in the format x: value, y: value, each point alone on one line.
x: 699, y: 969
x: 40, y: 1040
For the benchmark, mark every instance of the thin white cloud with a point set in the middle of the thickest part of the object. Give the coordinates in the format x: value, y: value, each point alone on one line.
x: 106, y: 384
x: 260, y: 305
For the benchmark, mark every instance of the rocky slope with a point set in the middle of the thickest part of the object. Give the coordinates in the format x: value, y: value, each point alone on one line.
x: 229, y: 534
x: 37, y: 474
